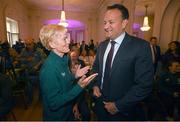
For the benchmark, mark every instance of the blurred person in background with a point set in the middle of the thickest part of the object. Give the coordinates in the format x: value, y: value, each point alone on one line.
x: 81, y: 110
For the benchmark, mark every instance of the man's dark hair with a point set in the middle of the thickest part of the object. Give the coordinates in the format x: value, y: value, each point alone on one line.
x: 153, y: 38
x: 121, y: 8
x: 170, y: 62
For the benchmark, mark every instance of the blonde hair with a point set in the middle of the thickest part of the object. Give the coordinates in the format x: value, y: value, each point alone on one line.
x: 47, y: 33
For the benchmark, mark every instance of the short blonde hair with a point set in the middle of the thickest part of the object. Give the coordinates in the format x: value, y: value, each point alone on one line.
x: 47, y: 33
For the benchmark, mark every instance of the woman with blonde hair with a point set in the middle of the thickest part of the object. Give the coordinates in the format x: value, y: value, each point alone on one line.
x: 57, y: 88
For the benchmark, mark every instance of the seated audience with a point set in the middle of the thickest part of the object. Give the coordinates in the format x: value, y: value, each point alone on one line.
x: 32, y: 57
x: 84, y: 47
x: 6, y: 98
x: 91, y: 57
x: 173, y: 52
x: 169, y: 88
x: 80, y: 109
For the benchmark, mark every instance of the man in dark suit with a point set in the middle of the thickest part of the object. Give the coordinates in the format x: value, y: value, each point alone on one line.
x: 84, y: 47
x: 125, y: 68
x: 156, y: 52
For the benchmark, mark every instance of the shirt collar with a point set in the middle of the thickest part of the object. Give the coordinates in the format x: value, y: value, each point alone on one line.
x: 120, y: 38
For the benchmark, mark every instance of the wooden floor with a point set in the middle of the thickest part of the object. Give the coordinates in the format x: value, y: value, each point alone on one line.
x: 32, y: 113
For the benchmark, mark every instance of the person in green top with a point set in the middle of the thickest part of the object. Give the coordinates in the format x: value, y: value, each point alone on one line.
x: 169, y: 88
x: 56, y: 81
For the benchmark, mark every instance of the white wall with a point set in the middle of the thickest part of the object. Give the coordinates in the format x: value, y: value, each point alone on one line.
x: 168, y: 23
x: 37, y: 18
x: 165, y: 21
x: 16, y: 10
x: 160, y: 7
x: 176, y: 30
x: 2, y: 21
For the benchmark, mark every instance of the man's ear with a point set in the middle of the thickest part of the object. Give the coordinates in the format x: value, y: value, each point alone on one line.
x: 124, y: 23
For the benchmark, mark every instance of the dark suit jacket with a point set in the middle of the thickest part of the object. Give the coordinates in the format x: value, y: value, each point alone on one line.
x: 131, y: 74
x: 85, y: 47
x: 158, y: 53
x: 157, y: 57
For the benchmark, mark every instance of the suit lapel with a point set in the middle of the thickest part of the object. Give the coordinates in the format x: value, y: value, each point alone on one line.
x: 121, y: 52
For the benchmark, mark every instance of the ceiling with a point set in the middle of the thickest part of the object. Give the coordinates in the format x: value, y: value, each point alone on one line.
x: 69, y: 5
x: 140, y: 7
x: 85, y: 5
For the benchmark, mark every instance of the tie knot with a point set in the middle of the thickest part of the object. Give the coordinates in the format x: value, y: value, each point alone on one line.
x: 112, y: 43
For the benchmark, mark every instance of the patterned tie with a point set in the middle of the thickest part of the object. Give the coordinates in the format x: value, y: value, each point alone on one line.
x: 106, y: 82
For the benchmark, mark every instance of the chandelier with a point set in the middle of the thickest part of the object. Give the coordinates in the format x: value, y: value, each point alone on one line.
x: 145, y: 26
x: 63, y: 20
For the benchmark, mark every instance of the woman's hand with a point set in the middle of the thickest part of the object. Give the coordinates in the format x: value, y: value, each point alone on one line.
x: 84, y: 81
x: 82, y: 71
x: 74, y: 68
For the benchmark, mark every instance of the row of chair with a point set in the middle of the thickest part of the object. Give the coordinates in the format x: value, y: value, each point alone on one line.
x: 13, y: 85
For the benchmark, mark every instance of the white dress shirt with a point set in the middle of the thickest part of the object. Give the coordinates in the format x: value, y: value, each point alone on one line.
x: 118, y: 41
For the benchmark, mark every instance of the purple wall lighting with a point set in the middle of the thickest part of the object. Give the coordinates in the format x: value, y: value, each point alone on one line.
x: 72, y: 23
x: 136, y: 26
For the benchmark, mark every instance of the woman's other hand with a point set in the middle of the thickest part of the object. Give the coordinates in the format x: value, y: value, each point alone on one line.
x: 82, y: 71
x: 84, y: 81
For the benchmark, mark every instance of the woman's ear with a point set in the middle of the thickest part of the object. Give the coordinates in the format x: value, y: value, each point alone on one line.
x: 51, y: 45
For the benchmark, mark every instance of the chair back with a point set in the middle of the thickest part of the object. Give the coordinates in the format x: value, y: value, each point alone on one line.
x: 2, y: 64
x: 6, y: 95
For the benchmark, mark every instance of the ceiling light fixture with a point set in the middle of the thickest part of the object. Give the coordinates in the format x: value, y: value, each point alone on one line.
x: 145, y: 26
x: 63, y: 20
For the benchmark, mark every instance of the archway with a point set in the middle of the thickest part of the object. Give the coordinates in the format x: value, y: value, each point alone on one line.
x: 168, y: 23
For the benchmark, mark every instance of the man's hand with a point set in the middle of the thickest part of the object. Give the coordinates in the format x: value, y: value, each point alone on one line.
x: 77, y: 115
x: 176, y: 94
x: 96, y: 91
x: 110, y: 107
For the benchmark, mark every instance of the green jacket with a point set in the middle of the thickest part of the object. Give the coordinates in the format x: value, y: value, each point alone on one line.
x: 57, y: 88
x: 169, y: 83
